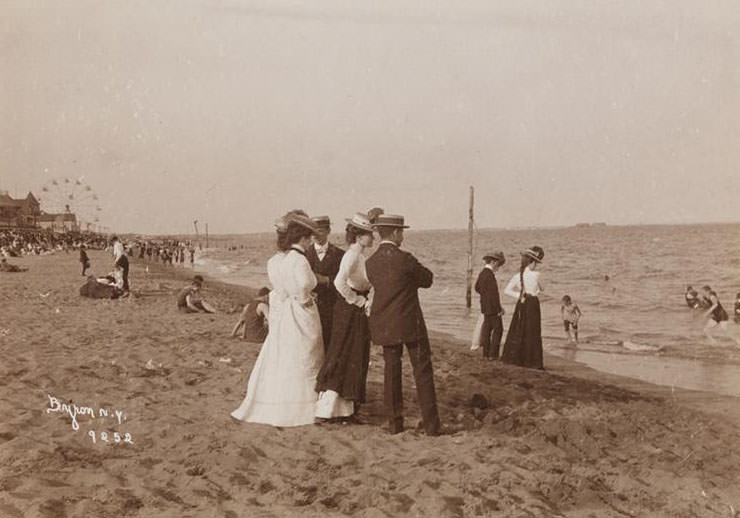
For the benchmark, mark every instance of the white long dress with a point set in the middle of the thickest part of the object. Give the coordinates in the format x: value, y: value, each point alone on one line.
x: 280, y: 391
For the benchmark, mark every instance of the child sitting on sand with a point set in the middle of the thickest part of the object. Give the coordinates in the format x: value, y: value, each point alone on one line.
x: 571, y: 315
x: 189, y: 301
x: 253, y: 320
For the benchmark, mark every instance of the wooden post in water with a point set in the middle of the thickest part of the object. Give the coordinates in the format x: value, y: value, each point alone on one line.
x: 206, y: 235
x: 468, y: 290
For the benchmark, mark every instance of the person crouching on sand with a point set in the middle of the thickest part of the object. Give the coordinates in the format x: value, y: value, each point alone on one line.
x: 717, y: 316
x: 254, y: 317
x: 189, y: 300
x: 571, y: 314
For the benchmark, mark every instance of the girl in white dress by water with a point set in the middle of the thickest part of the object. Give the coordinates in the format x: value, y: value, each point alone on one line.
x: 281, y: 391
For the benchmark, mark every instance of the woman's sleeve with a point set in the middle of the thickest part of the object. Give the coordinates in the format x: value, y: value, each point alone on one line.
x: 514, y: 284
x: 305, y: 279
x: 340, y: 281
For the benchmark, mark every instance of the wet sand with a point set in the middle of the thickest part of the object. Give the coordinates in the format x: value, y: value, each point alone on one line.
x: 569, y: 441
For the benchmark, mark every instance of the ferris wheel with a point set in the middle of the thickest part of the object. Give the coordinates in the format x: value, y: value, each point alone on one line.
x: 70, y: 195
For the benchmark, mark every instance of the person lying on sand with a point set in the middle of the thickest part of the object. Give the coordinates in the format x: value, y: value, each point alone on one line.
x: 100, y: 288
x: 189, y: 300
x: 5, y: 266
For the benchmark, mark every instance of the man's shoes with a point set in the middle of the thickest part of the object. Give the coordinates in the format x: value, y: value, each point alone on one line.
x: 395, y: 426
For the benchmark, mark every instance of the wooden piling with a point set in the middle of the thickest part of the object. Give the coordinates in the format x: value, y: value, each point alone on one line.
x: 469, y: 288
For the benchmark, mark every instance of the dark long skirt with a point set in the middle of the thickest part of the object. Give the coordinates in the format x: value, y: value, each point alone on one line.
x: 345, y: 365
x: 523, y: 344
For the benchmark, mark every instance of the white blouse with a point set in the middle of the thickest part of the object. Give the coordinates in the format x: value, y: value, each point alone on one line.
x: 352, y: 275
x: 532, y: 284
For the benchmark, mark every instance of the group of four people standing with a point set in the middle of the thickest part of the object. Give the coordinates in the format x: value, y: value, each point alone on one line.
x: 326, y: 306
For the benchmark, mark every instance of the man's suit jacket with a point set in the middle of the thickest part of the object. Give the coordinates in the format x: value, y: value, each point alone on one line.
x: 487, y: 287
x: 329, y: 266
x: 395, y: 315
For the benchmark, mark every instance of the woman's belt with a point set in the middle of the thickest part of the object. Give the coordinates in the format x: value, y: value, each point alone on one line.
x: 363, y: 293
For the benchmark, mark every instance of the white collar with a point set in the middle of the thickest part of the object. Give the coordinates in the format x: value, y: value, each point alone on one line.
x: 321, y: 248
x: 389, y: 242
x: 489, y: 267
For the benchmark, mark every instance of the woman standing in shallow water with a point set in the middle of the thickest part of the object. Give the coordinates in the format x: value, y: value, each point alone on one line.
x: 523, y: 344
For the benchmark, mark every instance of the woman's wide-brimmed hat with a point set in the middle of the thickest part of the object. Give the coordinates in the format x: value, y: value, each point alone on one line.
x: 535, y: 253
x: 495, y: 256
x: 361, y: 222
x: 390, y: 220
x: 302, y: 220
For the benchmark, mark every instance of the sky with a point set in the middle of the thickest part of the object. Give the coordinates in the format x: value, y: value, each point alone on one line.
x: 233, y: 112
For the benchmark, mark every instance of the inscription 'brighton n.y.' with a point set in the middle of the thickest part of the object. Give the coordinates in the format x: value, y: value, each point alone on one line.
x: 76, y: 411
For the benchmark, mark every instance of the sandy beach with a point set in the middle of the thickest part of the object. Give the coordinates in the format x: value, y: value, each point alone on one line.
x: 568, y: 441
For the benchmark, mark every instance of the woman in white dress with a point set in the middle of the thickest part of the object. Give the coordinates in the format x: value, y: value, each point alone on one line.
x: 281, y: 391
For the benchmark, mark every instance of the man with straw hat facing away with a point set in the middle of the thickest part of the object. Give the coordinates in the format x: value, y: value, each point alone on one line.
x: 490, y: 305
x: 396, y: 319
x: 324, y: 259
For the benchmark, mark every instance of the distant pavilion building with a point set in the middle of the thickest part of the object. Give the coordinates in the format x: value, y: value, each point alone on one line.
x: 19, y: 213
x: 61, y: 222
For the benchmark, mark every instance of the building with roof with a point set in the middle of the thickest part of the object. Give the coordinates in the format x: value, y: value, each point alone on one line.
x: 19, y: 212
x: 60, y: 222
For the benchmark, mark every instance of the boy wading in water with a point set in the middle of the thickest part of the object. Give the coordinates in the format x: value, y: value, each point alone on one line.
x: 571, y: 315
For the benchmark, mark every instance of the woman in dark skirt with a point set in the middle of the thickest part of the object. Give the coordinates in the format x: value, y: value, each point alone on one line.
x: 523, y: 344
x: 342, y: 378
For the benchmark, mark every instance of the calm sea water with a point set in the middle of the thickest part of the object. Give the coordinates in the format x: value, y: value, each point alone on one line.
x: 641, y: 306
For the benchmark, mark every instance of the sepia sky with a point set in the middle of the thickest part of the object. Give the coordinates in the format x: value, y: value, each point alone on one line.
x: 232, y: 111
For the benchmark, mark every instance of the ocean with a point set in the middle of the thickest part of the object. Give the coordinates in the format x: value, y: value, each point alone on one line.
x: 636, y: 323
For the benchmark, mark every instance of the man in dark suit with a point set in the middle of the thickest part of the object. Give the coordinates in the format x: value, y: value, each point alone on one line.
x: 396, y: 319
x: 490, y: 306
x: 324, y: 259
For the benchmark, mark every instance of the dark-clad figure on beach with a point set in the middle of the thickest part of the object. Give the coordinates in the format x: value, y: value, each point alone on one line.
x: 343, y: 375
x: 5, y: 266
x: 189, y: 300
x: 324, y: 259
x: 254, y: 318
x: 84, y: 260
x: 490, y: 305
x: 523, y: 345
x: 396, y: 319
x: 737, y: 309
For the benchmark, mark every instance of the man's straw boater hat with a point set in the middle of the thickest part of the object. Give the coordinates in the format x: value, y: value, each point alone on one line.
x: 495, y: 256
x: 322, y: 221
x: 535, y: 253
x: 361, y: 222
x: 390, y: 220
